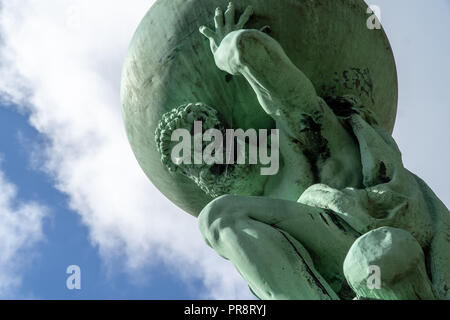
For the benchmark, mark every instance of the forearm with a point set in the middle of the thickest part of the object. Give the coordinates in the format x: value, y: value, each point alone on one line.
x: 279, y: 85
x: 283, y: 91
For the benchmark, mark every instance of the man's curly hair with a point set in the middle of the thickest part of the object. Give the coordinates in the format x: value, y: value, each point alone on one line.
x: 183, y: 117
x: 213, y: 179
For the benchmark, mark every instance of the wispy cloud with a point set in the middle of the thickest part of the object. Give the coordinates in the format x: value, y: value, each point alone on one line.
x: 20, y: 230
x: 62, y: 60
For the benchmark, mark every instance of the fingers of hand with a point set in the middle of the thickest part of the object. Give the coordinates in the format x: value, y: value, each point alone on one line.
x: 230, y: 15
x: 224, y: 23
x: 218, y: 19
x: 207, y: 32
x: 245, y: 17
x: 265, y: 29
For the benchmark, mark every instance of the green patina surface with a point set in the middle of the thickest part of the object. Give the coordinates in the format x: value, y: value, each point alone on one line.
x: 169, y: 64
x: 342, y: 201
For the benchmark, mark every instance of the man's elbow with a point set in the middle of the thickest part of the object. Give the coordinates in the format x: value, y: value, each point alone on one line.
x: 245, y: 48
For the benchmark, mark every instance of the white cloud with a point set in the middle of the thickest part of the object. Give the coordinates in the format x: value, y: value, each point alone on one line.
x: 20, y: 231
x: 62, y: 60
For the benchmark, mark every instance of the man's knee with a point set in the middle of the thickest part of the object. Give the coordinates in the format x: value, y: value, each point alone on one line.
x: 397, y: 261
x: 220, y: 214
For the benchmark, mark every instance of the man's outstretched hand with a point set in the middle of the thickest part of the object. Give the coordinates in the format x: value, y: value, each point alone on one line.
x: 225, y: 23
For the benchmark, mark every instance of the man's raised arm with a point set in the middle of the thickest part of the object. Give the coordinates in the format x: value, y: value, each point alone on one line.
x: 283, y: 91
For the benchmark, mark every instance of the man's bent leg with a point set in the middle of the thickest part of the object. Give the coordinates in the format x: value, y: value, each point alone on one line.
x: 265, y: 240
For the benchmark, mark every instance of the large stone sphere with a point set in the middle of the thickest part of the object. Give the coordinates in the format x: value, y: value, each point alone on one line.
x: 169, y: 63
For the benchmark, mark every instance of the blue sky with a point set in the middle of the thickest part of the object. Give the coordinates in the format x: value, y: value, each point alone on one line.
x: 66, y: 238
x: 78, y: 195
